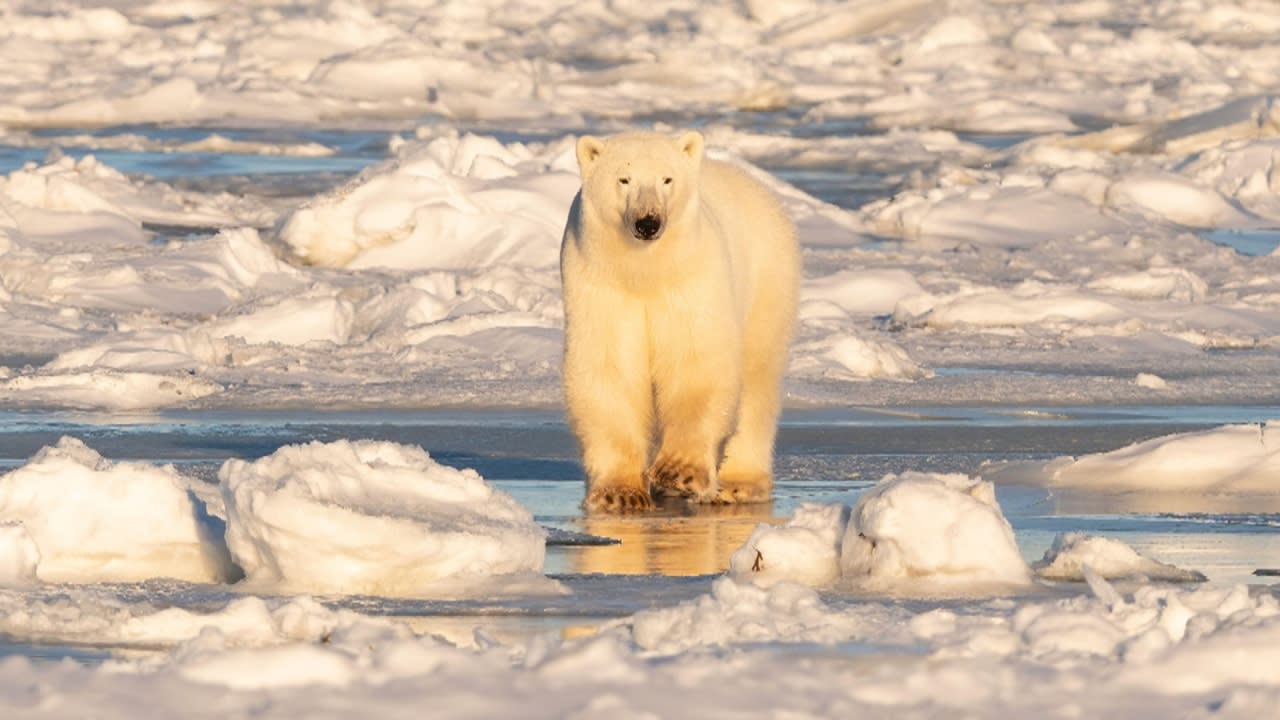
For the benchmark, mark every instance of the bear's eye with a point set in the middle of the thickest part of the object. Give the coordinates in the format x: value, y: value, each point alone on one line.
x: 624, y: 181
x: 666, y: 181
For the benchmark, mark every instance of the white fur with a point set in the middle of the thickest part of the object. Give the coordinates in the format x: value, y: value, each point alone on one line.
x: 675, y: 345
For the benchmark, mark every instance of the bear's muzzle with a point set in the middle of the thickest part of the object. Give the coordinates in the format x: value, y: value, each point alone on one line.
x: 648, y: 227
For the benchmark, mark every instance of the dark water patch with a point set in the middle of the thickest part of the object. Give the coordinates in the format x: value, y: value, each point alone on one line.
x: 39, y: 652
x: 539, y: 444
x: 1245, y: 242
x: 164, y: 152
x: 840, y: 187
x: 996, y: 141
x: 13, y: 157
x: 163, y: 234
x: 368, y: 143
x: 286, y: 186
x: 173, y: 165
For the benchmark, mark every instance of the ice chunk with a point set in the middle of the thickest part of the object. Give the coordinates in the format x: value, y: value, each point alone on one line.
x: 92, y: 520
x: 928, y: 526
x: 1071, y: 553
x: 373, y: 517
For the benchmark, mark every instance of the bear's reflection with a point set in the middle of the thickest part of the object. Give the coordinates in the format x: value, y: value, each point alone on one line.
x: 677, y: 539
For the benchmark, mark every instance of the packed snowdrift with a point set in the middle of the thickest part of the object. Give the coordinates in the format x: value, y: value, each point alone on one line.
x: 345, y: 517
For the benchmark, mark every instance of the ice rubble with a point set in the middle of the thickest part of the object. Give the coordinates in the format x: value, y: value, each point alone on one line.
x: 1063, y: 247
x: 1073, y: 555
x: 917, y: 532
x: 927, y: 534
x: 375, y: 518
x: 448, y: 278
x: 92, y: 520
x: 339, y: 518
x: 447, y: 204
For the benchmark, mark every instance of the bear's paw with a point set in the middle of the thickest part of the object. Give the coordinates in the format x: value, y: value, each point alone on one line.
x: 741, y: 491
x: 614, y: 499
x: 673, y: 476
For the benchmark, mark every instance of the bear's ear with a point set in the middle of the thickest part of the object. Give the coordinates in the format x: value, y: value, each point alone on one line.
x: 589, y: 149
x: 690, y: 144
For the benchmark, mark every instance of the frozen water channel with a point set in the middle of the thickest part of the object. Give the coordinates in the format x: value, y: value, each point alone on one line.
x: 616, y: 566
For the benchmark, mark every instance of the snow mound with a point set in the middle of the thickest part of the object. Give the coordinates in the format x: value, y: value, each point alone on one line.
x: 70, y: 187
x: 243, y: 622
x: 1239, y: 119
x: 453, y: 202
x: 1166, y: 196
x: 372, y: 517
x: 1150, y: 381
x: 946, y: 527
x: 912, y: 532
x: 311, y: 317
x: 1031, y: 303
x: 1168, y: 637
x: 865, y: 291
x: 854, y: 357
x: 805, y: 550
x: 1155, y: 284
x: 19, y: 556
x: 91, y: 520
x: 106, y: 389
x: 1226, y: 459
x: 1072, y: 553
x: 736, y: 612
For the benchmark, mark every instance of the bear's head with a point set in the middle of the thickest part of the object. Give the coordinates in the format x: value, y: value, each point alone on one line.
x: 640, y: 183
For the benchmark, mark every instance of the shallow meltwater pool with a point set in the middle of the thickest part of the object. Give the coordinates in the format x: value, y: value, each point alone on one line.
x: 615, y: 566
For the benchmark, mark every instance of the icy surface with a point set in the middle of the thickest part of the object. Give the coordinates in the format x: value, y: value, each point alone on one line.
x: 1017, y: 206
x: 1227, y: 459
x: 1157, y: 648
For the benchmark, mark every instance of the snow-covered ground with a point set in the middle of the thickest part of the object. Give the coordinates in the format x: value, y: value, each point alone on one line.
x: 1074, y: 203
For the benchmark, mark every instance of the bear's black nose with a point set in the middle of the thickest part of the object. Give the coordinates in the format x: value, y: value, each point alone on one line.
x: 648, y: 226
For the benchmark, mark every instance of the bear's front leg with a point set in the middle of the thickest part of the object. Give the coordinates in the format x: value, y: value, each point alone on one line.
x: 609, y: 397
x: 697, y: 399
x: 614, y: 432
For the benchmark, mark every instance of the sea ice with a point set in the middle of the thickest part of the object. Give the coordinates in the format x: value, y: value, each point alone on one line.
x: 1032, y: 187
x: 911, y: 533
x: 447, y: 203
x: 1071, y: 553
x: 19, y: 555
x: 1226, y: 459
x: 379, y: 518
x: 91, y: 520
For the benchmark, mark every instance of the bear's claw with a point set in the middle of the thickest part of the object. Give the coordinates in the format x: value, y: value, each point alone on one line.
x: 678, y: 478
x: 618, y: 500
x: 734, y: 494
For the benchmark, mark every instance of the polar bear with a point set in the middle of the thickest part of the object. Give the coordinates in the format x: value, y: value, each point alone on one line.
x: 680, y: 277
